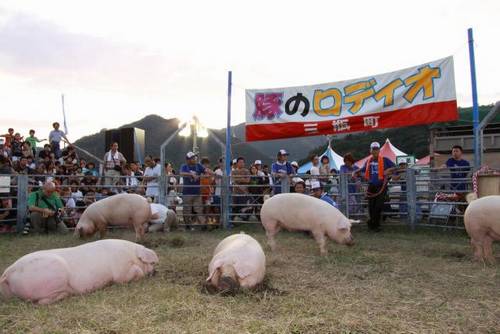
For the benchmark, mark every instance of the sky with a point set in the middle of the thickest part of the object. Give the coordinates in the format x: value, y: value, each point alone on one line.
x: 118, y: 61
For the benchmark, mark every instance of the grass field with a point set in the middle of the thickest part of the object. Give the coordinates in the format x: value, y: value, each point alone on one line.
x: 392, y: 282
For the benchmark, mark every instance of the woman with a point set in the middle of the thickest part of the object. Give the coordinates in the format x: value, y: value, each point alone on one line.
x: 353, y: 182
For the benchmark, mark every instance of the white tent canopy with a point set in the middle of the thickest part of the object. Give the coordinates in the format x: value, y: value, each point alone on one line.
x: 335, y: 161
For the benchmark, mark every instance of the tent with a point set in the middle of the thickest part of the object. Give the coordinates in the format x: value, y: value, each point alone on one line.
x: 425, y: 160
x: 335, y: 161
x: 387, y: 150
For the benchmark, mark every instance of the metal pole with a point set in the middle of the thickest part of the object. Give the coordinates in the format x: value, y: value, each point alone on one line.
x: 22, y: 201
x: 162, y: 188
x: 228, y: 151
x: 411, y: 197
x: 475, y: 109
x: 344, y: 193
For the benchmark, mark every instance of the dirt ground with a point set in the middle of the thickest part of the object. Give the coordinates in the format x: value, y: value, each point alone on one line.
x: 396, y: 281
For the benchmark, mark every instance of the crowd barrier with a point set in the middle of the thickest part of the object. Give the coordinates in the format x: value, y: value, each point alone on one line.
x: 420, y: 196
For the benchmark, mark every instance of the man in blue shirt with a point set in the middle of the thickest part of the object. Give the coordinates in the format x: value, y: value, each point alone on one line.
x: 459, y: 169
x: 191, y: 196
x: 376, y: 170
x: 280, y: 170
x: 317, y: 192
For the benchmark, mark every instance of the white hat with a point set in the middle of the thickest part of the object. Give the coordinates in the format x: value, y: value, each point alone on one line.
x: 282, y: 152
x: 190, y: 155
x: 257, y: 162
x: 315, y: 185
x: 374, y: 145
x: 295, y: 163
x: 234, y: 161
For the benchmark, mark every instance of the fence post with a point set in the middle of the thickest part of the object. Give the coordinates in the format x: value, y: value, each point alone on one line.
x: 285, y: 185
x: 22, y: 201
x: 162, y: 189
x: 344, y: 194
x: 411, y: 196
x: 225, y: 201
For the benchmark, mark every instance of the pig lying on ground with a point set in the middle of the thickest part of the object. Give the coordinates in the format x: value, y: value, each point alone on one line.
x: 482, y: 222
x: 47, y: 276
x: 238, y: 261
x: 122, y: 209
x: 162, y: 218
x: 298, y: 212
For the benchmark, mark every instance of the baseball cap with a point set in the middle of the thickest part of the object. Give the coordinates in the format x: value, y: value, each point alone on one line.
x: 282, y: 152
x: 374, y: 145
x: 257, y: 162
x: 295, y: 163
x: 315, y: 185
x: 190, y: 155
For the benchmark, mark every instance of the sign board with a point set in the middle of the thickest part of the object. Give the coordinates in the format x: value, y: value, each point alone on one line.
x: 417, y: 95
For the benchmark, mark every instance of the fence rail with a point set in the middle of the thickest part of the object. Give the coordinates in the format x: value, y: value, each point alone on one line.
x: 417, y: 196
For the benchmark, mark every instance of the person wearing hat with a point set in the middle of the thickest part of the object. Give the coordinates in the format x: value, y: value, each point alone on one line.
x: 376, y: 171
x: 317, y: 191
x: 280, y: 169
x: 191, y: 194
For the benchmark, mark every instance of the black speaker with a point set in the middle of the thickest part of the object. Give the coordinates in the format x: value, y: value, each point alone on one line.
x: 131, y: 142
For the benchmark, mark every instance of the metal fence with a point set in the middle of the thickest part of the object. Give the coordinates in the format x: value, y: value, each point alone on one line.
x: 419, y: 196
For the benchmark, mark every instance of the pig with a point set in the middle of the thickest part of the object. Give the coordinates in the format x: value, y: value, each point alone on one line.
x: 47, y: 276
x: 482, y: 223
x: 299, y: 212
x: 162, y: 218
x: 122, y: 209
x: 238, y: 261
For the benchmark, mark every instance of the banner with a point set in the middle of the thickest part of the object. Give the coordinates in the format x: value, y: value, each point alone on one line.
x: 417, y: 95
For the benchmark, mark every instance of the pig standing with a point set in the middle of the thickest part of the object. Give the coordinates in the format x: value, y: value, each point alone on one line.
x: 121, y: 209
x: 298, y: 212
x: 238, y: 261
x: 482, y: 222
x: 47, y: 276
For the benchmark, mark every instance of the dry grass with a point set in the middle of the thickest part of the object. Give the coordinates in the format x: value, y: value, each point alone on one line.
x: 392, y: 282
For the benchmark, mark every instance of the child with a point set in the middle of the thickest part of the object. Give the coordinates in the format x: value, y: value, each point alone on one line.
x: 33, y: 140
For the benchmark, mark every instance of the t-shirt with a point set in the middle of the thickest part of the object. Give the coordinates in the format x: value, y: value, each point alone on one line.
x: 53, y: 199
x: 348, y: 170
x: 32, y: 140
x: 457, y: 172
x: 152, y: 186
x: 160, y: 210
x: 325, y: 197
x: 55, y: 136
x: 190, y: 185
x: 218, y: 181
x: 374, y: 180
x: 278, y: 167
x: 314, y: 170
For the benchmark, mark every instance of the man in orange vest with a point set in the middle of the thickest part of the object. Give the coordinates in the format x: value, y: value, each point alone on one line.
x: 376, y: 170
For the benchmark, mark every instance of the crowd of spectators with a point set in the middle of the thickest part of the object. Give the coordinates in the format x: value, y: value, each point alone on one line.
x: 198, y: 185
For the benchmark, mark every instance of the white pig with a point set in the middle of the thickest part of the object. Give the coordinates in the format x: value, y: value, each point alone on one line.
x: 47, y: 276
x: 238, y: 261
x: 122, y: 209
x: 298, y: 212
x: 482, y: 222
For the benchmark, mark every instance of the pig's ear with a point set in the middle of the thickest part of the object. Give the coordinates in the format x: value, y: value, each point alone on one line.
x: 344, y: 224
x: 147, y: 255
x: 242, y: 270
x: 217, y: 264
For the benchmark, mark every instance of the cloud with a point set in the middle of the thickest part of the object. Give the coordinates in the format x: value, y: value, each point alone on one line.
x: 49, y: 55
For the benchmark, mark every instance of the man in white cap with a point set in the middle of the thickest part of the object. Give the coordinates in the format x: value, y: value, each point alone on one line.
x: 280, y: 170
x: 191, y: 196
x: 317, y: 191
x: 376, y: 171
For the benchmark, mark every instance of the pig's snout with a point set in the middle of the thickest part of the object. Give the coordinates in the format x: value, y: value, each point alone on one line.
x: 350, y: 241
